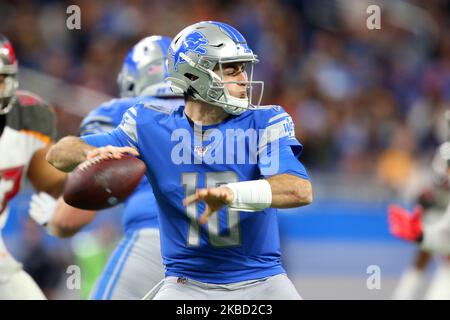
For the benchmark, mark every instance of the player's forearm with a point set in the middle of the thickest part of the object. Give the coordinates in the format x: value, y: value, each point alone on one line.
x: 436, y: 241
x: 436, y: 237
x: 280, y: 191
x: 68, y: 153
x: 290, y: 191
x: 67, y: 220
x: 45, y: 177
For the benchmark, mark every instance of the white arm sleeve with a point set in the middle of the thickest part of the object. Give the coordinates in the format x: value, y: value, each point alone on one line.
x: 251, y: 196
x: 436, y: 237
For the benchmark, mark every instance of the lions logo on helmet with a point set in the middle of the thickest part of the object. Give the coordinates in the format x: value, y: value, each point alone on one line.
x: 193, y: 42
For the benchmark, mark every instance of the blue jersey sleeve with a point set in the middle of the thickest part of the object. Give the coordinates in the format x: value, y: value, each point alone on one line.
x: 96, y: 124
x: 279, y: 130
x: 125, y: 135
x: 105, y: 117
x: 279, y: 149
x: 114, y: 138
x: 285, y: 162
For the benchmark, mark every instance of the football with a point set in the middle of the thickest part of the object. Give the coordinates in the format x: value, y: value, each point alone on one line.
x: 103, y: 183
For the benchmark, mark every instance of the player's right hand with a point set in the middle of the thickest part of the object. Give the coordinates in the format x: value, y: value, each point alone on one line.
x: 405, y: 225
x: 110, y: 152
x: 214, y: 198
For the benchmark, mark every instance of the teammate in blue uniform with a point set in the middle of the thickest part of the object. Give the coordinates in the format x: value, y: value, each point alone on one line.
x: 219, y: 165
x: 135, y: 266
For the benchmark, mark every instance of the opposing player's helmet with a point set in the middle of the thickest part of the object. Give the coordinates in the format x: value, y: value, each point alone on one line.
x: 194, y: 54
x: 144, y: 69
x: 8, y: 69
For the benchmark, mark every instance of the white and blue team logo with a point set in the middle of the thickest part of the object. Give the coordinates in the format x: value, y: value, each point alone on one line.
x: 288, y: 127
x: 193, y: 42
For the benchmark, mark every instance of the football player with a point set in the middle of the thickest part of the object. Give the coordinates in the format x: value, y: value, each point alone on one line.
x: 220, y: 165
x: 27, y: 129
x: 136, y: 265
x: 427, y: 226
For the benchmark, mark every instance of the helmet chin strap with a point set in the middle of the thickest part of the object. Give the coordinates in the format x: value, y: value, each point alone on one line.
x: 233, y: 108
x: 215, y: 103
x: 230, y: 104
x: 228, y: 108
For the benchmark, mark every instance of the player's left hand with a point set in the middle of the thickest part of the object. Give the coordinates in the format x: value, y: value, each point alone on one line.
x: 215, y: 199
x: 405, y: 225
x: 42, y: 207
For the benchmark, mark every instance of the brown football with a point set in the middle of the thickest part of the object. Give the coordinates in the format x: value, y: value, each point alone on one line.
x: 100, y: 184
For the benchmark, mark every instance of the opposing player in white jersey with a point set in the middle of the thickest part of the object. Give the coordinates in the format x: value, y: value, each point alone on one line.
x: 136, y: 264
x: 27, y: 128
x: 429, y: 227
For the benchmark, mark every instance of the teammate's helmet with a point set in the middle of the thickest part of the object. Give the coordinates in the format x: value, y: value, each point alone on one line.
x: 144, y: 69
x: 8, y: 69
x: 194, y: 54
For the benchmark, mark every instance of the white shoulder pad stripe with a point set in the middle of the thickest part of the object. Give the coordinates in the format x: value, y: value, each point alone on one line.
x: 128, y: 125
x: 133, y: 111
x: 276, y: 131
x: 278, y: 116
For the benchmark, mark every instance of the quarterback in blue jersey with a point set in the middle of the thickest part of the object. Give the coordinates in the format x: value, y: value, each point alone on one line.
x: 220, y: 168
x: 136, y: 265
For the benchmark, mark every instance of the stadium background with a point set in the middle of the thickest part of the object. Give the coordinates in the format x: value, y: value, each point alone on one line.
x: 368, y: 107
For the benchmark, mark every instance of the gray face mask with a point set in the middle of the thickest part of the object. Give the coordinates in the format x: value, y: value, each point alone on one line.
x: 9, y: 70
x: 10, y: 85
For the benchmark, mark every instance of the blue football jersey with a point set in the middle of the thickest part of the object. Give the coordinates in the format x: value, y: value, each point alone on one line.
x: 181, y: 157
x: 140, y: 209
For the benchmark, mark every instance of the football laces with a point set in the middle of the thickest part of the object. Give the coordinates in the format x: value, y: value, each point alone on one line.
x: 90, y: 162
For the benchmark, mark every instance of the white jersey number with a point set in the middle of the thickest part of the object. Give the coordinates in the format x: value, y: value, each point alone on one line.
x: 212, y: 180
x: 9, y: 185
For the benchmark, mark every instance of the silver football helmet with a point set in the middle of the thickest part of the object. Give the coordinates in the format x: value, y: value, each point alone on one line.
x: 197, y: 51
x: 8, y: 70
x: 144, y: 69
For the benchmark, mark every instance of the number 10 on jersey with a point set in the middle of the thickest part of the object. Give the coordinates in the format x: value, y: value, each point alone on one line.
x: 212, y: 180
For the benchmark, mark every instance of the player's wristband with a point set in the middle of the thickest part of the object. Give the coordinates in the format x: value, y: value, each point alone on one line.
x: 251, y: 196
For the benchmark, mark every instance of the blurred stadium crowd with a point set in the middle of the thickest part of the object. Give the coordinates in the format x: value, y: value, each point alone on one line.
x: 366, y: 102
x: 361, y: 98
